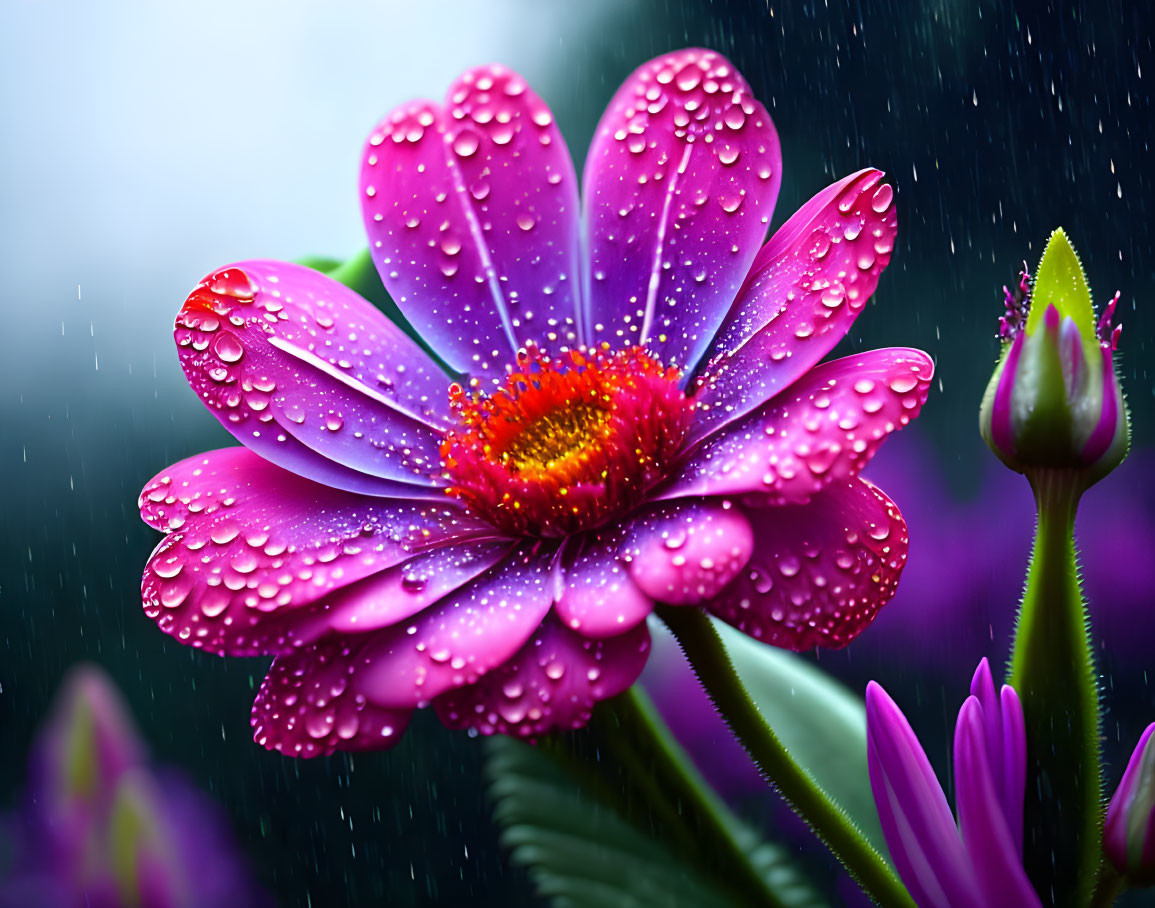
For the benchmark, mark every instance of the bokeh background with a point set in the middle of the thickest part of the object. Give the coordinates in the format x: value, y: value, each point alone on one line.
x: 143, y: 144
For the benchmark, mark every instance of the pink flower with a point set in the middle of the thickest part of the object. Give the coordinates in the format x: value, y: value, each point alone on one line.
x: 635, y: 414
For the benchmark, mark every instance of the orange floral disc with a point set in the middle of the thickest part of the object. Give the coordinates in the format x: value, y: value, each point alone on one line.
x: 569, y: 442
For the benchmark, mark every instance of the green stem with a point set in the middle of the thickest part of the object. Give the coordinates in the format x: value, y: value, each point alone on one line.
x: 707, y: 656
x: 660, y: 791
x: 1107, y: 888
x: 1053, y: 671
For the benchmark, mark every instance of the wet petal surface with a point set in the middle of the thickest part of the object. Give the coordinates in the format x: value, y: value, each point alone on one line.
x: 472, y: 216
x: 311, y: 704
x: 402, y: 591
x: 249, y: 542
x: 551, y: 684
x: 685, y: 553
x: 465, y: 635
x: 680, y: 183
x: 598, y: 599
x: 819, y: 572
x: 310, y: 376
x: 916, y: 819
x: 998, y: 865
x: 823, y: 429
x: 806, y: 287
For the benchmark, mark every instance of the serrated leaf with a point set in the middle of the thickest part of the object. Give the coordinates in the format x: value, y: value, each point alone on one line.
x: 820, y: 721
x: 582, y: 851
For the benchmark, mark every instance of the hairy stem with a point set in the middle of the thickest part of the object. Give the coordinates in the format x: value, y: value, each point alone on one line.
x: 707, y: 656
x: 1054, y: 673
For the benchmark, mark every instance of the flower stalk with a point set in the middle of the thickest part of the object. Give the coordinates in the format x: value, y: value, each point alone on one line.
x: 707, y: 656
x: 1053, y: 670
x: 663, y: 790
x: 1054, y: 411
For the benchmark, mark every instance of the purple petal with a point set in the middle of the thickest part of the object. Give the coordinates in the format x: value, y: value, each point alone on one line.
x: 401, y: 592
x: 1013, y: 763
x: 823, y: 429
x: 551, y: 684
x: 598, y: 599
x: 249, y: 542
x: 472, y: 216
x: 685, y: 553
x: 310, y: 376
x: 916, y: 820
x: 312, y: 703
x: 679, y: 185
x: 819, y: 572
x: 1001, y: 431
x: 983, y: 689
x: 805, y: 289
x: 997, y: 866
x: 1109, y: 423
x: 465, y: 635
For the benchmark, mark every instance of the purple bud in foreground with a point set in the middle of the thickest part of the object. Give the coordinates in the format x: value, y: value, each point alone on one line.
x: 1129, y: 833
x: 978, y: 863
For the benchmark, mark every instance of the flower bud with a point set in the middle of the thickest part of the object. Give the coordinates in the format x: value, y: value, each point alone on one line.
x: 1054, y: 401
x: 141, y: 860
x: 88, y: 743
x: 1129, y: 833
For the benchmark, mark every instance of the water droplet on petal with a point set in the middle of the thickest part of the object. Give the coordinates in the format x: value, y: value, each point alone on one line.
x: 731, y: 203
x: 227, y: 347
x: 233, y: 282
x: 729, y: 155
x: 466, y: 143
x: 882, y: 198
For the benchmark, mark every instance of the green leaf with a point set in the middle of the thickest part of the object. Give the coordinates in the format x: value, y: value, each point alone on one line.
x: 819, y: 720
x: 587, y: 847
x: 1060, y: 282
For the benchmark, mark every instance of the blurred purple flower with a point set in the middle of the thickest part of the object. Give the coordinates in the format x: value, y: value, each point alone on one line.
x: 978, y: 863
x: 98, y: 827
x: 968, y: 559
x: 1129, y: 832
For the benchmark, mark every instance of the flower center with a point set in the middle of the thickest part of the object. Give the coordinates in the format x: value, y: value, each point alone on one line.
x: 569, y: 442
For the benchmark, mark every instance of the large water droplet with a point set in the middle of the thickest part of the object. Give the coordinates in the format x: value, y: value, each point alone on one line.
x: 729, y: 155
x: 731, y: 203
x: 227, y: 347
x: 882, y: 198
x: 554, y: 670
x: 466, y: 143
x: 233, y: 282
